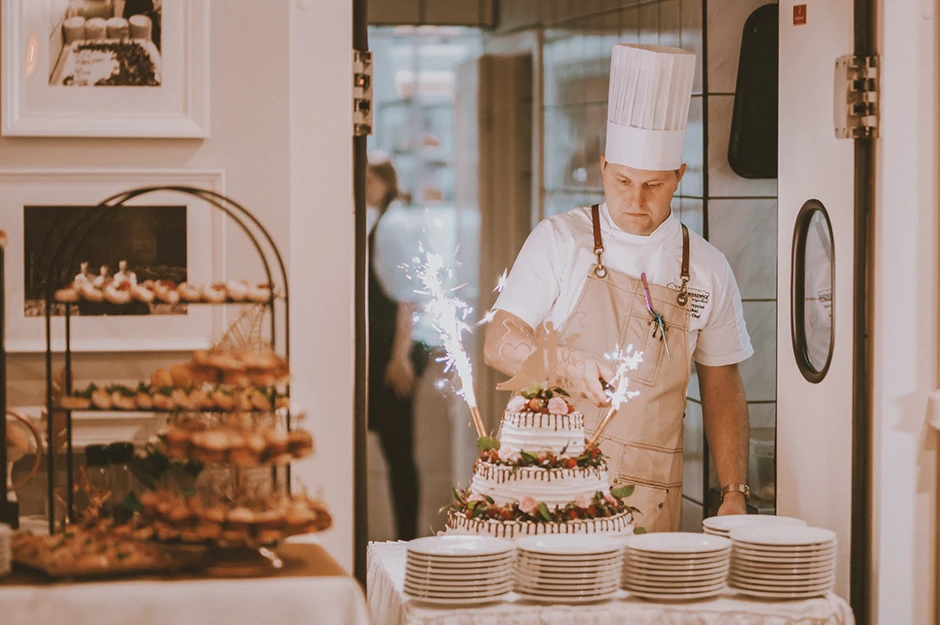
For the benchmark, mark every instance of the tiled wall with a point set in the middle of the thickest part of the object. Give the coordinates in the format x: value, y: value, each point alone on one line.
x: 735, y: 214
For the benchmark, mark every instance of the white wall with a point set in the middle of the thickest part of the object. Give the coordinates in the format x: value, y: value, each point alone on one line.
x: 905, y: 317
x: 281, y: 129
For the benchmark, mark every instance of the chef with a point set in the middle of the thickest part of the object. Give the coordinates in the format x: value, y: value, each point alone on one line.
x: 626, y: 273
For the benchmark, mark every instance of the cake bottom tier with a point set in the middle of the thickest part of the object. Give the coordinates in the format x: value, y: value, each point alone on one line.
x: 618, y: 524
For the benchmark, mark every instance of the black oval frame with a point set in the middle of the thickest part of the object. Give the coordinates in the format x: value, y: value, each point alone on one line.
x: 798, y: 289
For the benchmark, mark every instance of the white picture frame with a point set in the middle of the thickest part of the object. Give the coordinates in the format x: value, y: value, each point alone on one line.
x: 34, y: 48
x: 205, y: 247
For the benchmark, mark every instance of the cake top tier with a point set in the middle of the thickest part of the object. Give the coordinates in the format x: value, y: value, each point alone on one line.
x: 542, y: 399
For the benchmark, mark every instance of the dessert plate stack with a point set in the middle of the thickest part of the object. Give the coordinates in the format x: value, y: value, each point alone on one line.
x: 568, y: 569
x: 722, y: 525
x: 676, y: 566
x: 6, y: 557
x: 458, y: 570
x: 783, y: 562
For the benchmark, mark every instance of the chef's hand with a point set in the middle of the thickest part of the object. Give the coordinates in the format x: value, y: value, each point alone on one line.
x: 586, y: 373
x: 400, y: 375
x: 733, y: 503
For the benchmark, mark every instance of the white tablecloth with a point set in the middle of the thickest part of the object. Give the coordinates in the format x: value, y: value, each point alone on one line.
x: 323, y: 600
x: 390, y: 606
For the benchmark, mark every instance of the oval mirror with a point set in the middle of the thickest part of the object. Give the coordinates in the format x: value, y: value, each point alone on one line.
x: 811, y: 295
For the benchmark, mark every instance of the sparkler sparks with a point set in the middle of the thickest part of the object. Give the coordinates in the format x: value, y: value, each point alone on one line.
x: 501, y: 281
x: 449, y: 314
x: 627, y: 361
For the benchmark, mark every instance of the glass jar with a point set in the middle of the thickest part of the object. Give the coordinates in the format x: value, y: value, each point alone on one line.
x: 98, y: 496
x: 122, y: 480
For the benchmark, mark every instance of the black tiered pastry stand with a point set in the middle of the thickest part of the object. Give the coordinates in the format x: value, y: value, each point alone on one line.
x: 57, y: 272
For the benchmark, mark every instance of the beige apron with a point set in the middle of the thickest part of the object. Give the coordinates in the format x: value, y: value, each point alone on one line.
x: 643, y: 444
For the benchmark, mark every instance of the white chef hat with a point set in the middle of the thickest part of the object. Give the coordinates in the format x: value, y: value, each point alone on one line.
x: 648, y: 105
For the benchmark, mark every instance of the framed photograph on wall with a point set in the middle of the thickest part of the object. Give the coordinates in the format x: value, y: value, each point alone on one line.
x: 164, y: 235
x: 105, y: 68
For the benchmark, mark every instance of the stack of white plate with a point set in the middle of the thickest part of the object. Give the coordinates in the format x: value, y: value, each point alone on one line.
x: 722, y: 525
x: 676, y: 566
x: 458, y: 570
x: 783, y: 562
x: 568, y: 569
x: 6, y: 557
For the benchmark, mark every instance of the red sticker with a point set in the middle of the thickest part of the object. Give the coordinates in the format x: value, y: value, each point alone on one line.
x: 799, y: 14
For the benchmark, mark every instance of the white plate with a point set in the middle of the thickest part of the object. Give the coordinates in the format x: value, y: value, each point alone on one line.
x: 674, y: 579
x: 659, y: 567
x: 801, y: 549
x: 784, y: 536
x: 631, y: 584
x: 461, y: 560
x: 692, y: 596
x: 569, y: 545
x: 552, y: 599
x: 782, y: 569
x: 465, y: 566
x: 763, y: 594
x: 453, y: 573
x: 781, y: 558
x: 655, y: 561
x: 724, y: 524
x: 470, y: 585
x: 788, y: 585
x: 568, y: 588
x: 555, y: 568
x: 452, y: 601
x: 684, y: 543
x: 439, y: 593
x: 556, y: 575
x: 459, y: 546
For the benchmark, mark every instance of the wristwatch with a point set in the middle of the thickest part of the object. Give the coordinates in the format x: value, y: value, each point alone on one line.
x: 736, y: 488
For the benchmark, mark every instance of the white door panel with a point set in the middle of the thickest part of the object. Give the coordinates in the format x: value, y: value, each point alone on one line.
x: 814, y: 421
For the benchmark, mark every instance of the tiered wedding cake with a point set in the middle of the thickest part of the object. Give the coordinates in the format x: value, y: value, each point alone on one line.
x: 540, y: 477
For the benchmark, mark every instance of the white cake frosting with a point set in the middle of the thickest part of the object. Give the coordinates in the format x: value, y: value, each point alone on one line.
x: 506, y: 482
x: 619, y: 524
x: 534, y: 432
x: 553, y: 487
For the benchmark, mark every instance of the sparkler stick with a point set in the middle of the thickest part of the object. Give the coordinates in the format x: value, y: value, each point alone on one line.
x: 626, y: 361
x: 449, y: 314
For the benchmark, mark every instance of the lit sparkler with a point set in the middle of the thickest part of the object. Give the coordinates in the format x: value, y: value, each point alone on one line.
x: 627, y: 361
x: 501, y: 281
x: 449, y: 314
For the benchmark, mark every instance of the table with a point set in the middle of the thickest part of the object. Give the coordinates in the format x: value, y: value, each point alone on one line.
x: 311, y: 588
x: 390, y: 606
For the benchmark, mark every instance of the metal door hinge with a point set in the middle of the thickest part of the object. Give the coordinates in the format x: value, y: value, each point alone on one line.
x: 362, y: 93
x: 855, y: 107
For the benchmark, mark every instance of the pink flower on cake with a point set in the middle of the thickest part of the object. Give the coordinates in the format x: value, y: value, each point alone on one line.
x: 610, y: 499
x: 582, y: 501
x: 528, y: 505
x: 506, y: 453
x: 557, y: 405
x: 475, y: 497
x: 517, y: 404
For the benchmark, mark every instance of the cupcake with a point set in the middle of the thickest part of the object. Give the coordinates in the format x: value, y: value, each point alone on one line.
x: 223, y: 399
x: 260, y: 401
x: 91, y: 294
x: 161, y: 378
x: 210, y: 447
x: 260, y: 293
x: 181, y: 399
x: 181, y: 376
x: 277, y: 442
x: 118, y: 294
x: 214, y: 293
x: 237, y: 378
x: 123, y: 398
x: 141, y: 294
x: 101, y: 399
x: 240, y: 454
x: 300, y: 443
x: 163, y: 400
x: 177, y: 441
x: 189, y: 292
x: 143, y: 399
x: 237, y: 290
x: 68, y: 295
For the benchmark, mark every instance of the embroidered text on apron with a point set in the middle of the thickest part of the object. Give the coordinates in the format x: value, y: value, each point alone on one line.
x: 643, y: 444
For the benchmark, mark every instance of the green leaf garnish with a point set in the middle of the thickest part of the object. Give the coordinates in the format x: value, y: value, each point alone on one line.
x: 622, y: 492
x: 543, y: 510
x: 488, y: 499
x: 639, y: 530
x: 529, y: 457
x: 458, y: 495
x: 486, y: 443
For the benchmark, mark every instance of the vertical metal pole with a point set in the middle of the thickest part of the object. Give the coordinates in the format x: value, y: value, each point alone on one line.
x: 361, y: 534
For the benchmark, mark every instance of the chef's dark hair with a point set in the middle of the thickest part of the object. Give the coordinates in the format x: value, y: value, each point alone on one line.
x: 385, y: 171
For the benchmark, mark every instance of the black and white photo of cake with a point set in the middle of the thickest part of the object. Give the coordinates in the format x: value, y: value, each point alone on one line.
x: 105, y: 43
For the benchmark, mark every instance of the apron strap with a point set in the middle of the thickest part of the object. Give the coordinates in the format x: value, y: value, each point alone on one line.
x: 599, y: 269
x: 683, y: 297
